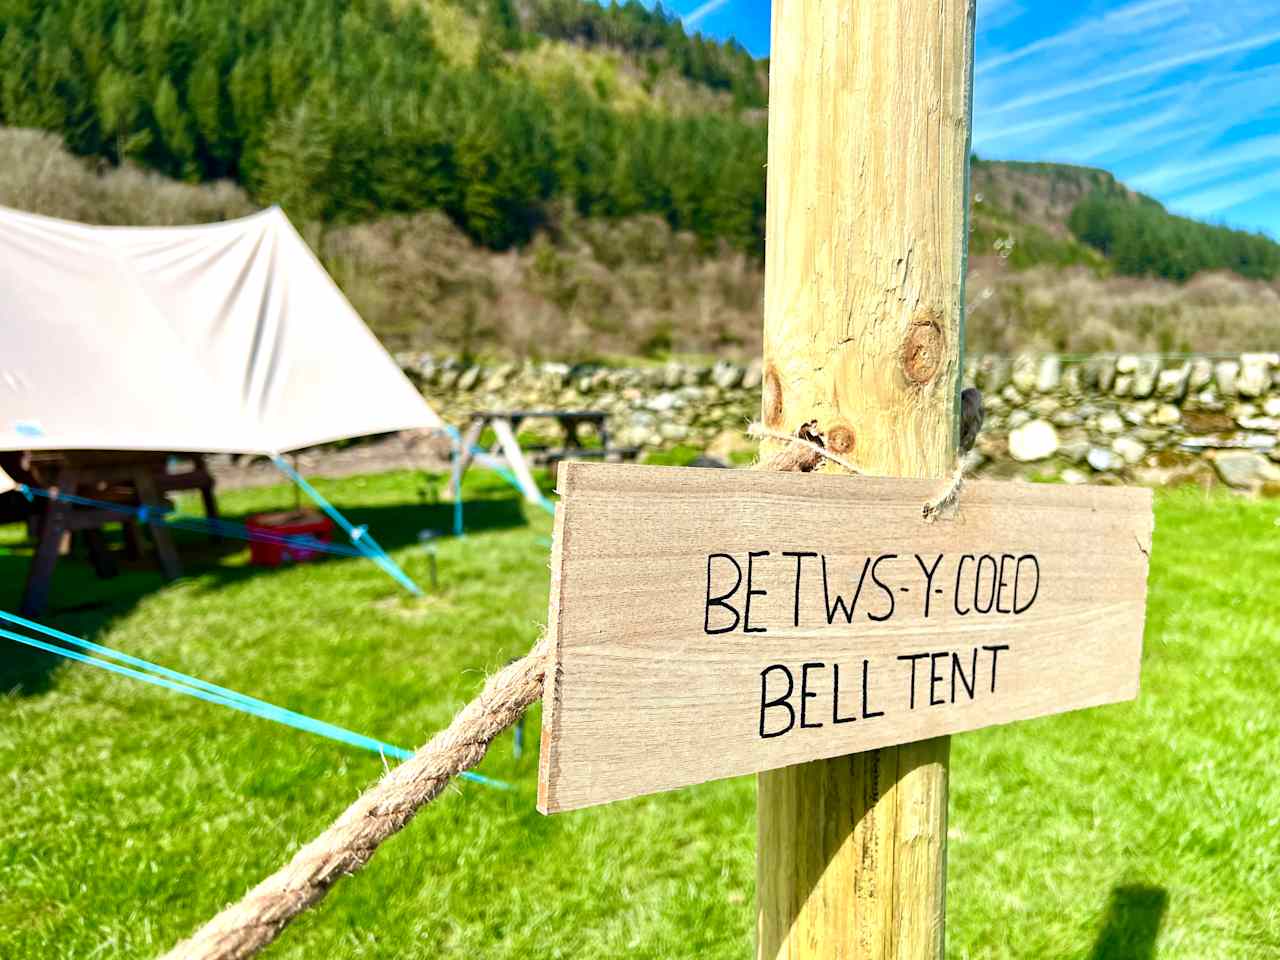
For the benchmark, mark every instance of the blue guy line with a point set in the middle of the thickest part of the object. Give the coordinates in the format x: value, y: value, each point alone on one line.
x: 504, y: 473
x: 454, y: 456
x: 360, y: 536
x: 203, y: 690
x: 232, y: 529
x: 226, y: 528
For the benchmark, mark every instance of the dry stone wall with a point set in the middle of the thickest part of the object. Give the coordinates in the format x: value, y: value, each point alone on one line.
x: 1109, y: 419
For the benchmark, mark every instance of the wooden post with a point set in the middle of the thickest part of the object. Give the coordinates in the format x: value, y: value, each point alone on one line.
x: 869, y: 115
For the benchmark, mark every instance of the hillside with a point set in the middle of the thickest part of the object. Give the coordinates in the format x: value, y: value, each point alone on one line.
x: 343, y: 110
x: 593, y: 287
x: 1069, y: 258
x: 545, y: 176
x: 1063, y: 215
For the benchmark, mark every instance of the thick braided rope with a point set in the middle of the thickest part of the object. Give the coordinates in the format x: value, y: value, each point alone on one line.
x: 244, y: 928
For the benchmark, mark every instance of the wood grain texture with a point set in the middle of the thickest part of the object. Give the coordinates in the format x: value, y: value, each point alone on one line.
x: 869, y: 117
x: 866, y: 225
x: 642, y: 698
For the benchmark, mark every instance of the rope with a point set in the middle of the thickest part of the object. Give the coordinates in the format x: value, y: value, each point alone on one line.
x: 972, y: 413
x: 804, y: 451
x: 226, y: 528
x: 363, y: 544
x: 138, y: 669
x: 947, y: 499
x: 240, y: 931
x: 244, y: 928
x: 793, y: 459
x: 360, y: 536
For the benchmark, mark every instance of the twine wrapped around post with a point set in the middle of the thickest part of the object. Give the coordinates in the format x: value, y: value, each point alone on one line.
x: 804, y: 452
x: 244, y: 928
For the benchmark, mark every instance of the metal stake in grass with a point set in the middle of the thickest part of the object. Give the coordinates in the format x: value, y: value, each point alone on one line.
x: 427, y: 538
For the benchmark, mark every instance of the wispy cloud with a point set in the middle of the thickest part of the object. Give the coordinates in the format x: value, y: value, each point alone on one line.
x: 1172, y: 95
x: 996, y: 13
x: 1051, y: 121
x: 1184, y: 174
x: 1164, y: 65
x: 711, y: 6
x: 1208, y: 203
x: 1125, y: 17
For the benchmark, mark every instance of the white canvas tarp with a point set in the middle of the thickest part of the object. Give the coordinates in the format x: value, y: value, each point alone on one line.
x: 226, y: 337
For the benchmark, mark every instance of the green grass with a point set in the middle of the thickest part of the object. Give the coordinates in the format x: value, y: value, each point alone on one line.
x: 1141, y: 830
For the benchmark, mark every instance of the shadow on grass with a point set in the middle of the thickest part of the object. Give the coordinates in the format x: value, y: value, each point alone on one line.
x: 1131, y: 924
x: 83, y: 605
x: 1129, y: 928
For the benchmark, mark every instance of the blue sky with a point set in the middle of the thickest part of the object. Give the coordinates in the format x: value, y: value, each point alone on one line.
x: 1178, y: 98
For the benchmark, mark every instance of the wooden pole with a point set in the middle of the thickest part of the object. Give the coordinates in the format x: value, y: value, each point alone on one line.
x: 869, y: 115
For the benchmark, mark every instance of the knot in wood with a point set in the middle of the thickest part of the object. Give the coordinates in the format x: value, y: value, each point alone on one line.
x: 923, y: 348
x: 771, y: 398
x: 840, y: 438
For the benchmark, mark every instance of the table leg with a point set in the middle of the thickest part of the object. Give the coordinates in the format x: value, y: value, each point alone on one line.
x: 570, y: 427
x: 515, y: 459
x: 464, y: 457
x: 207, y: 497
x: 132, y: 541
x: 103, y: 564
x: 40, y: 575
x: 148, y: 496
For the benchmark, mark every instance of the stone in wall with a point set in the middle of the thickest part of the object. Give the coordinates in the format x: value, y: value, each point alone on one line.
x: 1254, y: 379
x: 1035, y: 440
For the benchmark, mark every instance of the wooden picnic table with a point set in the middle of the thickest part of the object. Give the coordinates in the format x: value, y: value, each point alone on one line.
x: 130, y: 479
x: 507, y: 453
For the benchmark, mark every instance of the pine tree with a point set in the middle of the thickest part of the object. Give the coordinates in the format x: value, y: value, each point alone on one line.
x: 119, y: 108
x: 204, y: 100
x: 174, y: 124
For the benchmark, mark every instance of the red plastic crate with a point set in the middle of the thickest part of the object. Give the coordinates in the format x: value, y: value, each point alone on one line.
x: 292, y: 523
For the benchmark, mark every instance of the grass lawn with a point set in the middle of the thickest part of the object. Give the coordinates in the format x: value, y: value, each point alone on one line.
x: 130, y: 814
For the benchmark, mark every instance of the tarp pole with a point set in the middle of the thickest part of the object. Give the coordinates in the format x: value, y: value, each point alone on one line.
x: 455, y: 455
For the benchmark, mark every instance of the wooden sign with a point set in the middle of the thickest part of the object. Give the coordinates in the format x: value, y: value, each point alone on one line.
x: 710, y: 623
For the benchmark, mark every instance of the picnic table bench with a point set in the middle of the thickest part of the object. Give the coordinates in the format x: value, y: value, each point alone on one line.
x: 506, y: 452
x: 130, y: 479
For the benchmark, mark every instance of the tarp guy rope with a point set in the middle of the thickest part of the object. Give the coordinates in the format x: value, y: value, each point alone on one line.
x: 363, y: 544
x: 216, y: 526
x: 139, y: 669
